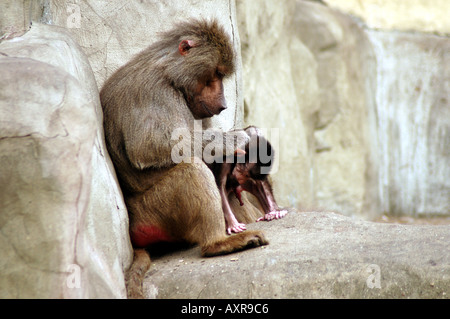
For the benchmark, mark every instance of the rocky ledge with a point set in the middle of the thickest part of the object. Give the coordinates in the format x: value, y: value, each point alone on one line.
x: 314, y: 255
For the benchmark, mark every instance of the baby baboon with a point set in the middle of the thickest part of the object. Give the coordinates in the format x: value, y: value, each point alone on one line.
x: 245, y: 170
x: 173, y: 82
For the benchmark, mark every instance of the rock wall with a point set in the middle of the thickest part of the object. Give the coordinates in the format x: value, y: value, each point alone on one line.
x: 413, y: 122
x: 64, y: 222
x: 362, y: 114
x: 310, y: 81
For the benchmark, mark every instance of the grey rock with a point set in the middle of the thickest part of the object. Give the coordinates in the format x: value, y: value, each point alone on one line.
x: 57, y: 179
x: 363, y: 115
x: 315, y: 255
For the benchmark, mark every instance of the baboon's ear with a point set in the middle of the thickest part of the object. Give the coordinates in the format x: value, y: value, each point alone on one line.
x: 185, y: 46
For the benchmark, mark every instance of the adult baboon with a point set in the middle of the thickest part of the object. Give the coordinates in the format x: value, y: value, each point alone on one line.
x: 168, y: 86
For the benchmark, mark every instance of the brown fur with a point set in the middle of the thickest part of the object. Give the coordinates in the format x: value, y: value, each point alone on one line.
x: 165, y: 87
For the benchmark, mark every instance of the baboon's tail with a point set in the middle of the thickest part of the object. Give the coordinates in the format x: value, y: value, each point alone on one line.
x: 134, y: 277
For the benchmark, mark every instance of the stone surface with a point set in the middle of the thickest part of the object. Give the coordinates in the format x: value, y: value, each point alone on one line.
x: 362, y: 115
x: 58, y: 180
x: 413, y: 122
x: 16, y: 16
x: 315, y: 255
